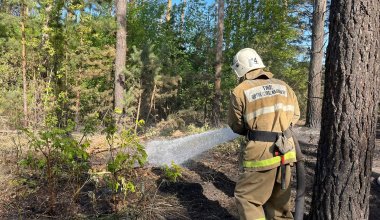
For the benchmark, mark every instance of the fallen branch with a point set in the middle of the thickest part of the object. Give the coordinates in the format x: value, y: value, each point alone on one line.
x: 104, y: 150
x: 9, y: 131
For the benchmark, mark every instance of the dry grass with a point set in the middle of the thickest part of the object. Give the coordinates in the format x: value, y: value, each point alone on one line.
x: 12, y: 147
x: 24, y: 193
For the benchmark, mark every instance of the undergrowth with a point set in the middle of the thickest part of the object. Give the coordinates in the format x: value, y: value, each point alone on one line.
x: 173, y: 172
x: 57, y: 179
x: 185, y: 121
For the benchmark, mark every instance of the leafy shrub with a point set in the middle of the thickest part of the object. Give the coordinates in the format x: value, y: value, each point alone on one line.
x: 184, y: 120
x: 192, y: 128
x: 189, y: 116
x: 173, y: 172
x: 56, y: 154
x: 130, y: 153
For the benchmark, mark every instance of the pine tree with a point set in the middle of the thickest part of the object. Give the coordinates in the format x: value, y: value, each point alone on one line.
x: 351, y: 98
x: 23, y: 55
x: 314, y: 101
x: 121, y: 50
x: 218, y: 67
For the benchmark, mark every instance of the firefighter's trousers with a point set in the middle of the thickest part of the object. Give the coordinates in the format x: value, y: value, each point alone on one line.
x: 259, y: 195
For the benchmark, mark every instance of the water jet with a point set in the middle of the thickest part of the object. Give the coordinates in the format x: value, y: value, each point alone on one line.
x: 179, y: 150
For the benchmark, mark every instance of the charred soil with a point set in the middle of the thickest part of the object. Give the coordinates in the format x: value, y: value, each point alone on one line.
x: 205, y: 190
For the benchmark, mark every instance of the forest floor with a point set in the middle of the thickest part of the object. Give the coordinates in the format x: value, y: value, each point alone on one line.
x: 204, y: 191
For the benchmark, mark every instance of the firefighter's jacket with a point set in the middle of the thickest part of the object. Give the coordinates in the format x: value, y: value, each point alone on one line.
x: 263, y: 103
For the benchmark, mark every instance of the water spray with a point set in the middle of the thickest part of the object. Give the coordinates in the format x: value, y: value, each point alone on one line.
x: 182, y: 149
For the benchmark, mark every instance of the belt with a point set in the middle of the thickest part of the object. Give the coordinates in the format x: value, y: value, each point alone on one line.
x: 267, y: 136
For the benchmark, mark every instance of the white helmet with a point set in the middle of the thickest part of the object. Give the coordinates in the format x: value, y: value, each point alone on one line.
x: 246, y: 60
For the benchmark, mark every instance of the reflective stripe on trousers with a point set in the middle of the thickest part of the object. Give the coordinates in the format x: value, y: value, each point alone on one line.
x: 269, y: 162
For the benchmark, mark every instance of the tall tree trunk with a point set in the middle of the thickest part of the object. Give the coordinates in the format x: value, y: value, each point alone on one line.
x: 218, y: 67
x: 121, y: 50
x: 138, y: 113
x: 147, y: 81
x: 228, y: 24
x: 77, y: 106
x: 78, y: 86
x: 168, y: 11
x: 183, y: 15
x: 23, y: 55
x: 351, y: 95
x: 314, y: 101
x: 247, y: 12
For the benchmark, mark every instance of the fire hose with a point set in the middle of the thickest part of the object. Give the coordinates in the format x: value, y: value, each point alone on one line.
x: 300, y: 170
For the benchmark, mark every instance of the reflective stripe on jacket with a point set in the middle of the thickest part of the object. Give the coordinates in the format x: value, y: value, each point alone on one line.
x: 262, y: 103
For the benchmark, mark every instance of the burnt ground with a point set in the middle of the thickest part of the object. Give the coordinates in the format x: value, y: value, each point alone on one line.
x: 206, y: 188
x: 204, y: 191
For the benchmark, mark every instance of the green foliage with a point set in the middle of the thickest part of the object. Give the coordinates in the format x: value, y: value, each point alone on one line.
x: 69, y: 59
x: 56, y: 148
x: 187, y: 120
x: 295, y: 76
x: 130, y: 151
x: 54, y: 154
x: 198, y: 57
x: 149, y: 89
x: 275, y: 31
x: 144, y: 22
x: 170, y: 65
x: 70, y: 50
x: 129, y: 154
x: 192, y: 128
x: 10, y: 105
x: 173, y: 172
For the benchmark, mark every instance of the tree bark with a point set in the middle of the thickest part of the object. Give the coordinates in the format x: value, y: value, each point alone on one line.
x: 314, y: 101
x: 77, y: 107
x: 183, y: 15
x: 138, y: 113
x: 168, y: 11
x: 218, y: 67
x: 121, y: 50
x: 351, y: 96
x: 23, y: 55
x: 78, y: 87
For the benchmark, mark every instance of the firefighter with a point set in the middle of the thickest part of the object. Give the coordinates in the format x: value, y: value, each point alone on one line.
x: 263, y: 109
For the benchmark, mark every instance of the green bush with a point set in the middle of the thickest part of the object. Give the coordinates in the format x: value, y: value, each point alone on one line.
x: 173, y: 172
x: 130, y: 153
x: 53, y: 154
